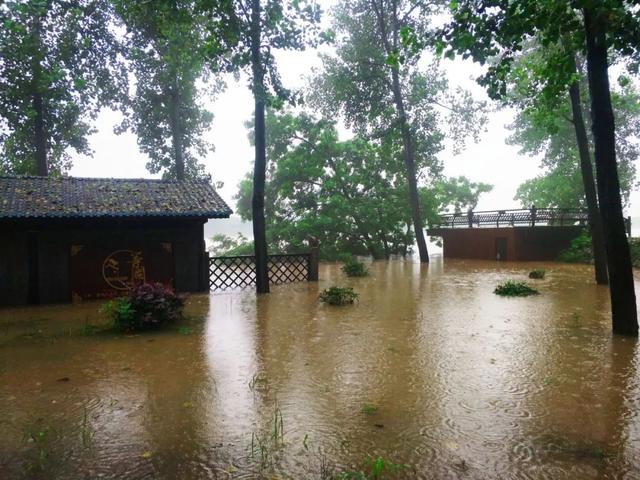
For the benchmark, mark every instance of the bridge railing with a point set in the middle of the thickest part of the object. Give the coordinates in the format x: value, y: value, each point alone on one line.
x: 497, y: 218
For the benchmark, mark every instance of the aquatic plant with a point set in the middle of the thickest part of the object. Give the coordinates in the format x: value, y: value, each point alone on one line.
x: 537, y: 273
x: 263, y: 447
x: 258, y: 382
x: 147, y: 306
x: 579, y: 250
x: 354, y: 268
x: 512, y: 288
x: 374, y: 469
x: 368, y: 409
x: 338, y: 295
x: 86, y: 431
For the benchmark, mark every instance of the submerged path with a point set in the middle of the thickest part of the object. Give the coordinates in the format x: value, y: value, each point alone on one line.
x: 429, y: 369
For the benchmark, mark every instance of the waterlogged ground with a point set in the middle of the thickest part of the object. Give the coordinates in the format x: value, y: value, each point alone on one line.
x: 430, y: 370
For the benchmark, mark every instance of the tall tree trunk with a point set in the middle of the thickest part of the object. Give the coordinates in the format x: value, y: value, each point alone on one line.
x: 176, y: 133
x: 39, y: 133
x: 410, y: 167
x: 260, y: 165
x: 623, y: 298
x: 39, y: 136
x: 595, y: 223
x: 391, y: 46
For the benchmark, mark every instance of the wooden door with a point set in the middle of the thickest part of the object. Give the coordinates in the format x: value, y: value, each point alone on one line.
x: 501, y: 248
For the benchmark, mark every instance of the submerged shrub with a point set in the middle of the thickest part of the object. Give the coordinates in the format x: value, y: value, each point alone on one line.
x: 579, y: 251
x: 537, y: 273
x: 512, y: 288
x: 354, y: 268
x: 338, y: 295
x: 149, y: 305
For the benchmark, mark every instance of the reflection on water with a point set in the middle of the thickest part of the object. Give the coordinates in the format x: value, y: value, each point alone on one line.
x: 465, y: 384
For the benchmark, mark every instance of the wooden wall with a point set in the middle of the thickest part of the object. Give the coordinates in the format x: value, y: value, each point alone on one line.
x: 522, y: 243
x: 49, y: 243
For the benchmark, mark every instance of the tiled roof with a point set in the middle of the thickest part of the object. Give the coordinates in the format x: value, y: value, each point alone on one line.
x: 69, y: 197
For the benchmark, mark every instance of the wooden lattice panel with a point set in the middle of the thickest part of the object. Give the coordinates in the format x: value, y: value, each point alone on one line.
x: 229, y: 273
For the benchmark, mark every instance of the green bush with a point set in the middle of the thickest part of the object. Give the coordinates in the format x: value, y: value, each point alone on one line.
x: 579, y: 251
x: 354, y: 268
x: 634, y: 247
x: 537, y: 273
x: 338, y: 296
x: 512, y: 288
x: 147, y: 306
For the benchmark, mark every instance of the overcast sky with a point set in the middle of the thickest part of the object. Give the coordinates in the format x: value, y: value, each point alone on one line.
x: 490, y: 160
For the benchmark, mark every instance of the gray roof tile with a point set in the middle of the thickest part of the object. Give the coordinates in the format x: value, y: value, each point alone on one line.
x: 70, y: 197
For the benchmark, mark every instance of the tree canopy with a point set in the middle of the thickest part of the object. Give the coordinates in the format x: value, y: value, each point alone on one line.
x: 60, y: 63
x: 348, y: 194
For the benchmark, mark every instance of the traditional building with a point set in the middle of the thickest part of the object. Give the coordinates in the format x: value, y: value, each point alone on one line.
x: 64, y: 239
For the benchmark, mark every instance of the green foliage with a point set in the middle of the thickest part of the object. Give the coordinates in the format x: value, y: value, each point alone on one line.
x: 120, y: 313
x: 634, y: 246
x: 60, y: 64
x: 351, y: 195
x: 512, y: 288
x: 374, y: 469
x: 147, y: 306
x: 537, y: 273
x: 544, y: 128
x: 224, y: 245
x: 338, y: 295
x: 368, y: 409
x: 374, y: 43
x: 579, y: 251
x: 354, y: 268
x: 165, y: 49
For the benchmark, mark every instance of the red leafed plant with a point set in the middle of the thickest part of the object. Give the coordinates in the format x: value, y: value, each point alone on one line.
x: 149, y: 305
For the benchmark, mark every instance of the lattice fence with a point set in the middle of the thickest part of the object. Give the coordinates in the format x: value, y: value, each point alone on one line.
x: 229, y: 273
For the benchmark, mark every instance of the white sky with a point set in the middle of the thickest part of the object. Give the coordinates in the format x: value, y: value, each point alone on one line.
x: 491, y: 160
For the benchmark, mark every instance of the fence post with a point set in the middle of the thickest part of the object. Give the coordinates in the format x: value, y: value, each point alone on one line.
x: 470, y: 217
x: 313, y: 259
x: 205, y: 280
x: 533, y: 215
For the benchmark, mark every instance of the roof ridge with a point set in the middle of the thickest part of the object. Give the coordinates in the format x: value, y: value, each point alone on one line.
x: 110, y: 179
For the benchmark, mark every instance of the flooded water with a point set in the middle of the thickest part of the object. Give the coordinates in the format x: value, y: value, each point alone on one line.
x: 429, y: 370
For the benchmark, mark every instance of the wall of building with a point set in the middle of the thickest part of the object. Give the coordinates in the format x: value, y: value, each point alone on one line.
x: 53, y: 244
x: 522, y: 243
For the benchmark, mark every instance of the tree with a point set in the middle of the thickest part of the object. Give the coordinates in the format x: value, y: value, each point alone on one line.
x: 350, y: 194
x: 249, y: 32
x: 382, y: 93
x: 59, y: 64
x: 499, y: 29
x: 165, y: 47
x: 552, y: 122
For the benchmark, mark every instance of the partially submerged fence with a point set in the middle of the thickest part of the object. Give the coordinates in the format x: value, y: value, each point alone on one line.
x: 228, y: 273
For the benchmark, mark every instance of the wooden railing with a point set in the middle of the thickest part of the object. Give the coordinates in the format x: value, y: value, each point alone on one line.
x: 531, y: 217
x: 228, y: 273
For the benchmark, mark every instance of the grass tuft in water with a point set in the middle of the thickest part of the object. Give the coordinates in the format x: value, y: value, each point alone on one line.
x: 374, y: 469
x: 338, y: 296
x: 368, y: 408
x: 354, y: 268
x: 537, y: 273
x: 512, y: 288
x: 86, y: 431
x: 258, y: 382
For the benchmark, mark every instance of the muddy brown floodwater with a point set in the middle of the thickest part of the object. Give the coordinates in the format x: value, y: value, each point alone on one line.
x: 429, y: 369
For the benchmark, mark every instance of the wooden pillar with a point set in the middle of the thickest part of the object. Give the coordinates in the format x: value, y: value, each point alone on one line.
x: 314, y: 259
